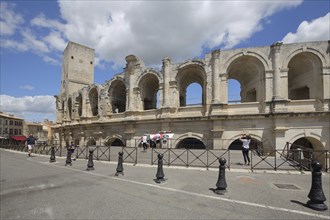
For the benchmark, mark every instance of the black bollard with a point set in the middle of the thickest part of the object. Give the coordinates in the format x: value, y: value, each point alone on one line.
x: 68, y: 157
x: 160, y: 173
x: 120, y: 168
x: 90, y: 164
x: 316, y: 194
x: 52, y: 155
x: 221, y: 184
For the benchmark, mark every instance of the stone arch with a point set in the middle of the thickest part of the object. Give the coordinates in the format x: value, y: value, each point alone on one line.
x: 256, y: 144
x: 304, y: 76
x: 76, y: 141
x: 313, y: 139
x: 149, y: 87
x: 189, y: 136
x: 79, y: 100
x: 90, y: 141
x: 190, y: 143
x: 117, y: 94
x: 70, y: 107
x: 114, y: 141
x: 287, y: 60
x: 249, y: 71
x: 93, y: 96
x: 305, y: 149
x: 189, y: 73
x: 63, y: 110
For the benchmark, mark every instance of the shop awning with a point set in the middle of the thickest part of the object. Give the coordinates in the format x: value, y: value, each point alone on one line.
x: 18, y: 138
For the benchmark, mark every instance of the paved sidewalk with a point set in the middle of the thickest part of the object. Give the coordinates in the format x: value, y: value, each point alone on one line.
x: 33, y: 188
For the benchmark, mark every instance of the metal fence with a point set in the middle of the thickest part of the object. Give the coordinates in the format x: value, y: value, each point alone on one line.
x: 290, y: 158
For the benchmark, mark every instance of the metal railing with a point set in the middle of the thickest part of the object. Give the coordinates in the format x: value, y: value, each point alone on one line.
x: 290, y: 158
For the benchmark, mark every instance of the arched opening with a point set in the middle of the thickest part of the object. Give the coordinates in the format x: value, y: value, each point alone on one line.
x: 117, y: 93
x: 254, y: 145
x: 63, y: 112
x: 234, y: 89
x: 94, y: 101
x: 79, y: 101
x: 70, y: 107
x: 191, y: 143
x: 305, y: 150
x: 149, y: 86
x: 194, y: 94
x: 191, y: 76
x: 304, y: 77
x: 250, y: 74
x: 76, y: 142
x: 91, y: 142
x: 114, y: 142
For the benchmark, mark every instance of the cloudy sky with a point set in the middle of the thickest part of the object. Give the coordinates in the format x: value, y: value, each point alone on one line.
x: 35, y: 33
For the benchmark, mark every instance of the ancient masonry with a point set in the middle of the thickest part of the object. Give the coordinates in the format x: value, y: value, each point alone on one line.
x: 285, y: 97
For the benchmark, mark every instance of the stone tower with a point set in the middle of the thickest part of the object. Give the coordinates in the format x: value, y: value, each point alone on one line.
x: 77, y: 68
x: 77, y: 73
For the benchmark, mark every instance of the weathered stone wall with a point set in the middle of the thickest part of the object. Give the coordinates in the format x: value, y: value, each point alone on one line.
x: 284, y: 97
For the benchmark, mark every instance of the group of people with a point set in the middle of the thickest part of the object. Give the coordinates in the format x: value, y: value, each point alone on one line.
x: 152, y: 141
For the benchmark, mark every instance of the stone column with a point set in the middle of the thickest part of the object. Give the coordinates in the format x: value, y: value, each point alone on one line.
x: 166, y: 80
x: 84, y: 112
x: 224, y: 88
x: 276, y: 47
x: 215, y: 76
x: 131, y: 61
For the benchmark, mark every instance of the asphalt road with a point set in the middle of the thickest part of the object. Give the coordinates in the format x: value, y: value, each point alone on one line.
x: 33, y: 188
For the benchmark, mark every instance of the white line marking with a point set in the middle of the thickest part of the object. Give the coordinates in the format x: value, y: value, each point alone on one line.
x: 198, y: 194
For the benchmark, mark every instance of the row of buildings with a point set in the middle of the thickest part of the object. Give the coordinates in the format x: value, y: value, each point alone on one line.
x: 16, y: 129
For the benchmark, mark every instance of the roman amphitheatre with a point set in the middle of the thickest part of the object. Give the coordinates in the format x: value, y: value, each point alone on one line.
x: 284, y: 99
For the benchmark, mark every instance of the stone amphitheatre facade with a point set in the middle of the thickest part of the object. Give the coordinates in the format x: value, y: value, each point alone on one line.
x: 285, y: 97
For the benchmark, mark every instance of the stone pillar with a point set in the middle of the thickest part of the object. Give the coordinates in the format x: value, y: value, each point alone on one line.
x: 224, y: 88
x: 326, y: 90
x: 276, y: 47
x: 130, y: 67
x: 166, y: 80
x: 84, y: 104
x: 82, y: 139
x: 215, y: 76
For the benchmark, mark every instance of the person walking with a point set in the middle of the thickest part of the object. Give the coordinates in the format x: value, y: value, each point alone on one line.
x: 72, y: 147
x: 246, y: 139
x: 144, y: 142
x: 30, y: 141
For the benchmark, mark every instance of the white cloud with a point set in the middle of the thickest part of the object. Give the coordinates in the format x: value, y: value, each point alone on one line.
x: 29, y: 107
x: 42, y: 21
x: 27, y: 87
x: 9, y: 20
x: 13, y: 45
x: 153, y: 30
x: 34, y: 44
x: 316, y: 30
x: 55, y: 41
x: 149, y: 29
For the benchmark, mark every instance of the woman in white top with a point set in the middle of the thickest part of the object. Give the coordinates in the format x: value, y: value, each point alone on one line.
x: 246, y: 139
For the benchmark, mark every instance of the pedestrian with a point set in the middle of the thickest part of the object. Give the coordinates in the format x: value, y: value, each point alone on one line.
x: 158, y: 140
x: 72, y: 147
x: 30, y: 141
x: 165, y: 137
x: 144, y: 142
x: 246, y: 139
x: 148, y: 139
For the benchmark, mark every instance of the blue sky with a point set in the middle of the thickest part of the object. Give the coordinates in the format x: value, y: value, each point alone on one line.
x: 35, y: 33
